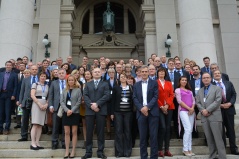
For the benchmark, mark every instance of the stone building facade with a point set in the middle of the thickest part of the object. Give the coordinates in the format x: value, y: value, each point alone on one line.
x: 198, y: 28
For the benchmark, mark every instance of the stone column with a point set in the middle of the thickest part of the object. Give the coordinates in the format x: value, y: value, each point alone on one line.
x: 91, y: 21
x: 126, y: 20
x: 16, y: 22
x: 147, y: 16
x: 197, y: 36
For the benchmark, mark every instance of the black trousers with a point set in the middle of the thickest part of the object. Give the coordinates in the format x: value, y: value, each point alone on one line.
x: 25, y: 122
x: 57, y: 125
x: 123, y: 140
x: 100, y: 127
x: 228, y: 122
x: 164, y: 129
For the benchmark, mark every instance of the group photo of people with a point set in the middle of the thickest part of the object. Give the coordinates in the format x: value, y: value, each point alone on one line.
x: 148, y: 101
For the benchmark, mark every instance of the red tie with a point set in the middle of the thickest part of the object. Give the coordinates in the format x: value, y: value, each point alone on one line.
x: 223, y: 94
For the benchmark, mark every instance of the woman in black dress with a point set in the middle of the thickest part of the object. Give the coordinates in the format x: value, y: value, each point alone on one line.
x: 70, y: 102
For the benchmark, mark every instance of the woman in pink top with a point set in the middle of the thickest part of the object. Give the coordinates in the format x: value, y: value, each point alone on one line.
x: 186, y: 103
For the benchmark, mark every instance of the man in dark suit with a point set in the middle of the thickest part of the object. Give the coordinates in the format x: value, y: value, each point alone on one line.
x: 85, y: 61
x: 20, y: 77
x: 145, y: 96
x: 69, y: 61
x: 206, y: 68
x: 208, y: 101
x: 173, y: 76
x: 8, y: 90
x: 214, y: 67
x: 96, y: 95
x: 25, y: 93
x: 227, y: 108
x: 55, y: 92
x: 180, y: 70
x: 152, y: 72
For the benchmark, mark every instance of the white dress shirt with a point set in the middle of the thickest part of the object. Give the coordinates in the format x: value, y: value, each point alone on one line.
x: 144, y: 91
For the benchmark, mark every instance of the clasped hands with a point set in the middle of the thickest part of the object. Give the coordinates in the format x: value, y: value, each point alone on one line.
x: 165, y: 109
x: 205, y: 112
x: 190, y: 111
x: 145, y: 110
x: 94, y: 107
x: 226, y: 105
x: 43, y: 106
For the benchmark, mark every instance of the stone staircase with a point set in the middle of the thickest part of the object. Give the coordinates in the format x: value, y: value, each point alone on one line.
x: 11, y: 148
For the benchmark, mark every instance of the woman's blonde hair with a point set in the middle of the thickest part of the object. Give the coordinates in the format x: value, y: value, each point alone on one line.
x: 76, y: 84
x: 74, y: 72
x: 27, y: 71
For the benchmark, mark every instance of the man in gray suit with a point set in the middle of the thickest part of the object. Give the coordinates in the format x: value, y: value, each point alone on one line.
x: 96, y: 95
x: 25, y: 93
x: 208, y: 102
x: 55, y: 92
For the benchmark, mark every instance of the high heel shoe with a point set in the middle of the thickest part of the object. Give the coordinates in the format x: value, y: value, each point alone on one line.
x: 67, y: 156
x: 34, y: 148
x: 71, y: 156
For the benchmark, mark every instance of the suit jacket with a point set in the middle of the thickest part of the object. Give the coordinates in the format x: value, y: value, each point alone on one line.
x: 25, y: 91
x: 75, y: 100
x: 54, y: 95
x: 3, y: 69
x: 211, y: 104
x: 152, y: 97
x: 100, y: 95
x: 116, y: 98
x: 203, y: 69
x: 231, y: 96
x: 11, y: 84
x: 192, y: 84
x: 73, y: 67
x: 176, y: 78
x: 165, y: 94
x: 185, y: 73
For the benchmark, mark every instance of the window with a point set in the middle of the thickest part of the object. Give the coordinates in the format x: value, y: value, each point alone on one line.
x: 86, y: 23
x: 132, y: 24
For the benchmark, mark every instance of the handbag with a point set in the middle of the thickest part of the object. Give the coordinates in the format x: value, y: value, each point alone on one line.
x: 49, y: 118
x: 60, y: 112
x: 28, y: 103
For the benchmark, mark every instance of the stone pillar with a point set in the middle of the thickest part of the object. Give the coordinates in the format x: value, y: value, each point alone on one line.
x: 229, y: 27
x: 126, y: 20
x: 197, y: 36
x: 147, y: 16
x: 65, y: 39
x: 91, y: 21
x: 16, y: 22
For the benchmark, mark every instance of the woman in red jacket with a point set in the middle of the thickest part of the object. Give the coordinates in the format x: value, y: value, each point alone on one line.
x: 166, y: 106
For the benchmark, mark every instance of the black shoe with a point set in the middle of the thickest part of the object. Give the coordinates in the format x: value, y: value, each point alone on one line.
x: 34, y: 148
x: 102, y: 156
x: 235, y: 152
x: 54, y: 146
x: 85, y: 157
x: 22, y: 139
x: 1, y: 132
x: 40, y: 147
x: 17, y: 126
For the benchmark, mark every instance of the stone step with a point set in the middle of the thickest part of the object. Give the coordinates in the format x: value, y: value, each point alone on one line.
x: 48, y: 153
x: 108, y: 143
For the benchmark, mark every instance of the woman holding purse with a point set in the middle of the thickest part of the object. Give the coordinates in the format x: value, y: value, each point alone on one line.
x: 70, y: 102
x: 39, y: 93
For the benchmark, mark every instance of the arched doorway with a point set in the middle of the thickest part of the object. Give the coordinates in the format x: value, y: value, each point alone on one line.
x: 91, y: 41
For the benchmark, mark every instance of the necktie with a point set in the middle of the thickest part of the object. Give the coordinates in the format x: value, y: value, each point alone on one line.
x: 171, y: 76
x: 223, y: 94
x: 62, y: 84
x: 207, y: 69
x: 22, y: 76
x: 34, y: 79
x: 144, y: 82
x: 96, y: 84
